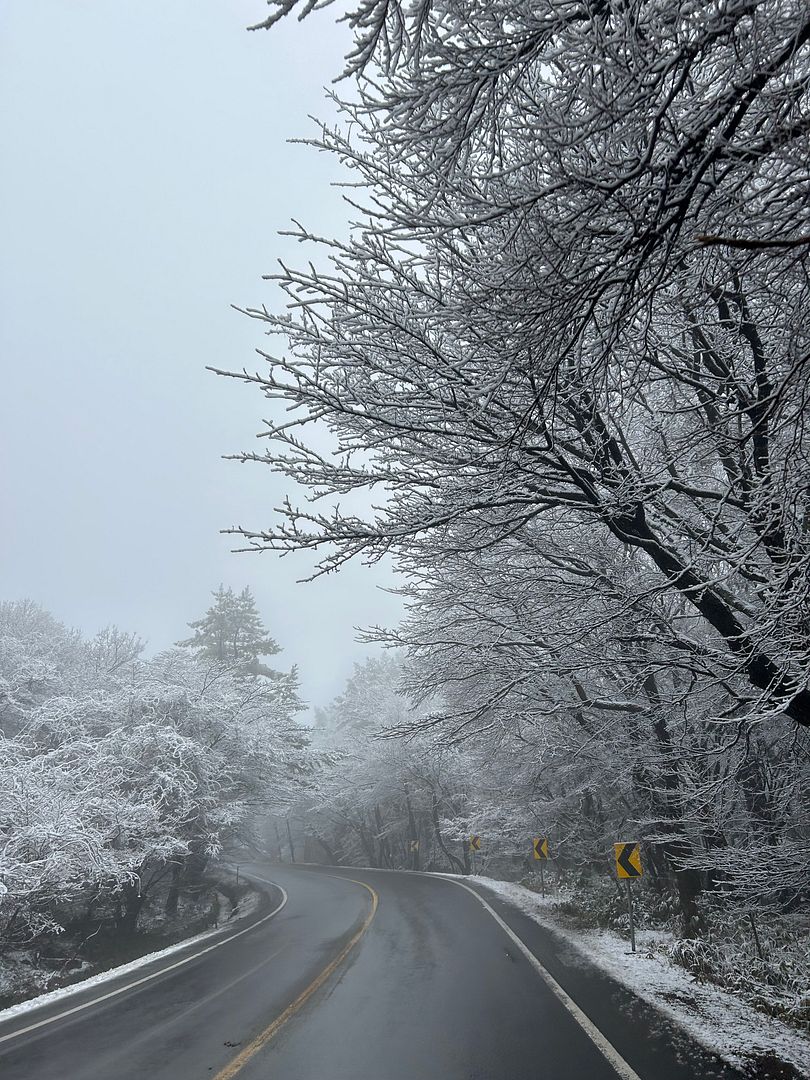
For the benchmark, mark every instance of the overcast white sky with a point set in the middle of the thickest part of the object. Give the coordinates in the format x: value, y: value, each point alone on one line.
x: 145, y: 176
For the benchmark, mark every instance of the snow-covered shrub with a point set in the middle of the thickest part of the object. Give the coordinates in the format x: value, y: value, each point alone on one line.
x: 728, y: 955
x: 600, y: 902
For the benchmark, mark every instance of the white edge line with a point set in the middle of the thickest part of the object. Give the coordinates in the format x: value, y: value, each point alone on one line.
x: 153, y: 975
x: 607, y: 1049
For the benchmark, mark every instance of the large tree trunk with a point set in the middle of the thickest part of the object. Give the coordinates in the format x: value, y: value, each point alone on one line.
x: 196, y: 863
x: 173, y: 895
x: 131, y: 905
x: 413, y: 834
x: 384, y: 845
x: 678, y: 849
x: 368, y: 845
x: 454, y: 862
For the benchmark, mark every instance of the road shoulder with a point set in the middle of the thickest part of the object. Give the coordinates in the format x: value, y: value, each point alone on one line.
x: 706, y: 1031
x: 263, y: 903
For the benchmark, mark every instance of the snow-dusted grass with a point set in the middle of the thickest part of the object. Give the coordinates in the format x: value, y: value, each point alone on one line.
x: 720, y: 1021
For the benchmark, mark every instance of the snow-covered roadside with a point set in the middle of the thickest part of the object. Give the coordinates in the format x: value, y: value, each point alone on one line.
x: 248, y: 906
x: 718, y: 1020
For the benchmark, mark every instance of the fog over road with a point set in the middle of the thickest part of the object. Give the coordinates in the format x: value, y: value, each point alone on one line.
x: 374, y: 976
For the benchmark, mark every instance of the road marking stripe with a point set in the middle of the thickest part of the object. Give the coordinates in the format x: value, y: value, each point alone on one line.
x: 607, y: 1049
x: 264, y: 1037
x: 172, y: 1019
x: 147, y: 978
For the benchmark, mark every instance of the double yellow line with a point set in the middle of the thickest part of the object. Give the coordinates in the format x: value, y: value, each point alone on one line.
x: 264, y: 1037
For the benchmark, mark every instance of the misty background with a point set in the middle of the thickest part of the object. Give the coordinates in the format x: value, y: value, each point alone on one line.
x: 146, y: 175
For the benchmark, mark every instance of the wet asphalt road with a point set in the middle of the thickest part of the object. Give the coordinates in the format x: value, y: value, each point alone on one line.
x: 433, y: 990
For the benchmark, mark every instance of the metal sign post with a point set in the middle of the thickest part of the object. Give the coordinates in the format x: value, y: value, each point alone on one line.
x: 540, y: 852
x: 475, y: 845
x: 628, y: 866
x: 630, y: 911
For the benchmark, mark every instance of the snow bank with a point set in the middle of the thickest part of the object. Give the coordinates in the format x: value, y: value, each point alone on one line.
x: 718, y: 1020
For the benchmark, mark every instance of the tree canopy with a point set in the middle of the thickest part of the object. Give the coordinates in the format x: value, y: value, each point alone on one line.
x: 572, y: 312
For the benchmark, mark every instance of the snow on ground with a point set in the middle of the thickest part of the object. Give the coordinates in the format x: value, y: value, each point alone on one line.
x: 247, y: 906
x: 718, y: 1020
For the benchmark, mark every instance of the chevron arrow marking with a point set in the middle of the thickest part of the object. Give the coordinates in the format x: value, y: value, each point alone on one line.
x: 628, y: 860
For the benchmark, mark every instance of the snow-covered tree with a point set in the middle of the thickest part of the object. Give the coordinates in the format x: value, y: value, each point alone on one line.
x: 121, y: 773
x: 231, y: 633
x: 576, y: 294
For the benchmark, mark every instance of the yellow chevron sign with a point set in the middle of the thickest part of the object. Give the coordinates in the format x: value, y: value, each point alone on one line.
x: 540, y: 846
x: 628, y: 860
x: 475, y: 843
x: 414, y: 845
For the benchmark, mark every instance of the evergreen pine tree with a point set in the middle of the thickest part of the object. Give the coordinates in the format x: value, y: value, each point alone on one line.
x: 231, y: 632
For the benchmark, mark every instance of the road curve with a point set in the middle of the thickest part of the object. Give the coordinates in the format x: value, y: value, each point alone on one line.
x: 189, y: 1021
x: 362, y: 975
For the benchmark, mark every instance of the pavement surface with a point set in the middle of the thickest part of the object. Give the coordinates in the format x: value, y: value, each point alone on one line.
x: 360, y: 975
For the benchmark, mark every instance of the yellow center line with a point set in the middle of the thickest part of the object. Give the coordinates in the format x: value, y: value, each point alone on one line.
x: 264, y: 1037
